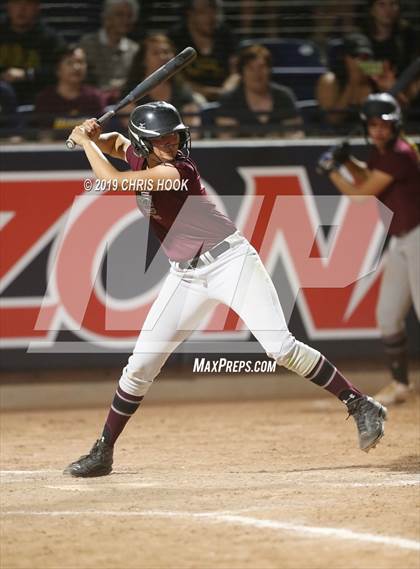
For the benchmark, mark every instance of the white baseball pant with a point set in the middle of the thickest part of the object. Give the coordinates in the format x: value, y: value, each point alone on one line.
x: 400, y: 287
x: 236, y: 278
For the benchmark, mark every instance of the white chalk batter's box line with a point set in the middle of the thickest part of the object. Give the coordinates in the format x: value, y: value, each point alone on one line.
x: 16, y: 476
x: 226, y: 517
x: 246, y: 521
x: 388, y: 484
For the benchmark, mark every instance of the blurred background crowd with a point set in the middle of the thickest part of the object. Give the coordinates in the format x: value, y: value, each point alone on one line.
x: 265, y: 68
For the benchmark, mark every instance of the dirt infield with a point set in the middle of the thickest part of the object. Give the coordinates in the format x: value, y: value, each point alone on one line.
x: 276, y: 484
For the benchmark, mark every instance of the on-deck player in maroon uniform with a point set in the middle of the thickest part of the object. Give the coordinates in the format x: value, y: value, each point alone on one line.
x: 393, y: 174
x: 210, y: 263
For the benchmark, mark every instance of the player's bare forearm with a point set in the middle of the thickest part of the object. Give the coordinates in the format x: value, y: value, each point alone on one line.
x: 114, y: 144
x: 375, y: 182
x: 357, y: 169
x: 100, y: 165
x: 104, y: 170
x: 111, y: 143
x: 343, y: 185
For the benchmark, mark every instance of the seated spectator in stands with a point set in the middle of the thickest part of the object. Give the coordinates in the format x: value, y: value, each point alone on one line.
x: 109, y: 51
x: 156, y: 50
x: 203, y: 29
x: 331, y: 21
x: 62, y: 106
x: 256, y: 19
x: 257, y: 106
x: 393, y: 39
x: 27, y: 46
x: 409, y: 100
x: 353, y: 76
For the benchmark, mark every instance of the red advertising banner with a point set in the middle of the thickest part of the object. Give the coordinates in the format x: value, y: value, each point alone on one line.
x: 323, y: 249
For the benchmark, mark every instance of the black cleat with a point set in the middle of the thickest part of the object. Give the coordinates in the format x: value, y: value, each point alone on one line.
x: 97, y: 463
x: 369, y: 416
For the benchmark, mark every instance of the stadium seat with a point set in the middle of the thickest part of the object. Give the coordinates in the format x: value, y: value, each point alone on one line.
x: 290, y: 52
x: 208, y: 113
x: 334, y: 52
x: 25, y: 109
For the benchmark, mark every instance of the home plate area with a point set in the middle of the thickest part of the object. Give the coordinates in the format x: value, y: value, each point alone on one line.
x: 264, y: 484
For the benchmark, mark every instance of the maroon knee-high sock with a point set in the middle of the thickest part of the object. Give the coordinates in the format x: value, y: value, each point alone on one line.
x: 327, y: 376
x: 122, y: 408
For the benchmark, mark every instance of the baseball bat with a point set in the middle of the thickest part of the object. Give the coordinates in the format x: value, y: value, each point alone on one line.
x: 164, y: 72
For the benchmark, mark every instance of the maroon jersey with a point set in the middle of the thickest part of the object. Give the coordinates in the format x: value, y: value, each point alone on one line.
x: 402, y: 196
x: 185, y: 221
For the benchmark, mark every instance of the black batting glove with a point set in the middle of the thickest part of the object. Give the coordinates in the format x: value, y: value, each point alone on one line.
x: 333, y: 158
x: 341, y: 153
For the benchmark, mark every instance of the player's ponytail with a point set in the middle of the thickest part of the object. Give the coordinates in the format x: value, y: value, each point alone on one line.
x: 411, y: 144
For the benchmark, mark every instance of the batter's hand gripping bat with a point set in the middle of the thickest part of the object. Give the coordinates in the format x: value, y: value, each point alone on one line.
x: 159, y: 76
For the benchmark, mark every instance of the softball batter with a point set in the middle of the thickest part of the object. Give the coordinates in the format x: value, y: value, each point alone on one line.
x: 393, y: 174
x: 210, y: 262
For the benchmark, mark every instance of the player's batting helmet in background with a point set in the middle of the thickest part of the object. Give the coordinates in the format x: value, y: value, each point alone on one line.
x: 383, y: 106
x: 152, y: 120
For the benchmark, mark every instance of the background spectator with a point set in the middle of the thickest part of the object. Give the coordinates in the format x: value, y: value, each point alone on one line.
x: 156, y: 50
x: 256, y: 19
x: 353, y: 76
x: 27, y: 46
x: 62, y: 106
x: 257, y: 106
x: 109, y: 51
x: 8, y: 104
x: 393, y: 40
x: 331, y: 21
x: 204, y: 30
x: 410, y: 102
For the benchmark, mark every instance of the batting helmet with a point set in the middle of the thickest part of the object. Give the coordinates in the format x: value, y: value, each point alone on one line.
x: 383, y: 106
x: 152, y: 120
